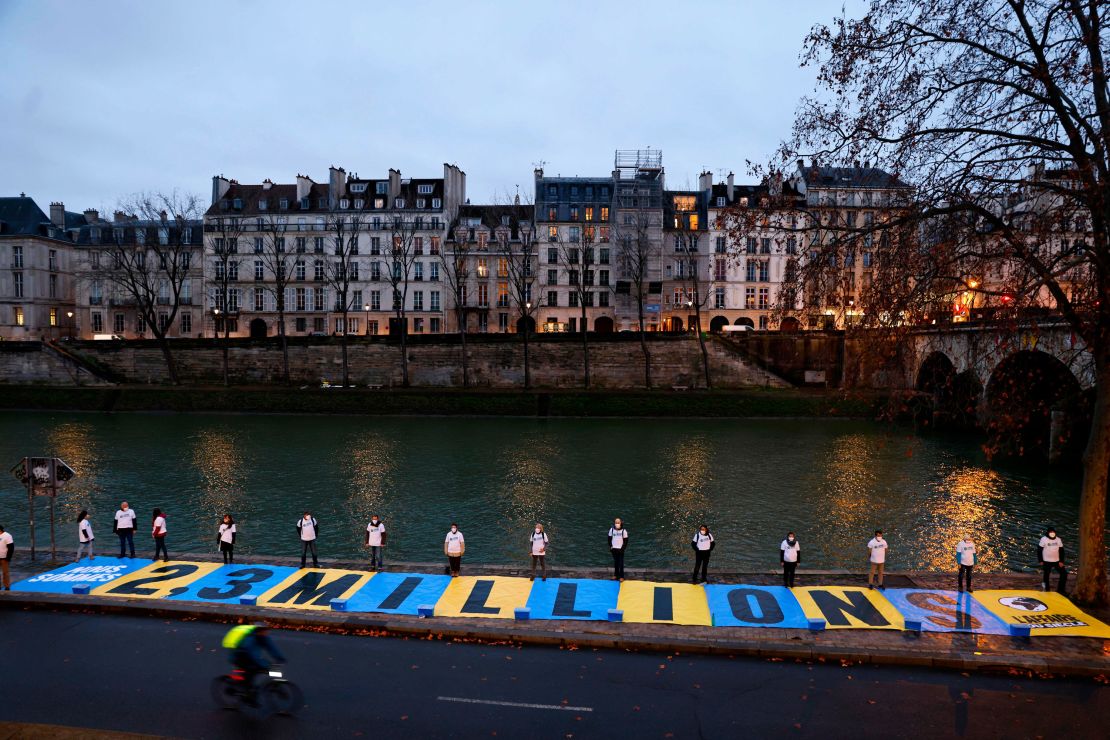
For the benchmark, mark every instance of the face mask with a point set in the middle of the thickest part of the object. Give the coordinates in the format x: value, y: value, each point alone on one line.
x: 375, y: 520
x: 1052, y: 535
x: 789, y: 539
x: 454, y: 529
x: 537, y: 530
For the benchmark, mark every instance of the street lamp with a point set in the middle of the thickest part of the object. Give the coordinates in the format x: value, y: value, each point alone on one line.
x: 216, y: 323
x: 366, y: 308
x: 69, y: 315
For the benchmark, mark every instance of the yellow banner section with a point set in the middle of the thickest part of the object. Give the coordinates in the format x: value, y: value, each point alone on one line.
x: 483, y: 596
x: 314, y: 588
x: 1045, y: 613
x: 849, y: 607
x: 157, y: 580
x: 671, y: 603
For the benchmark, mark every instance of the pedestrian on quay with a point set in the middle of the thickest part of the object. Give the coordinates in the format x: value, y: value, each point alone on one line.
x: 84, y: 536
x: 618, y: 541
x: 703, y: 543
x: 454, y: 546
x: 1050, y: 554
x: 225, y: 539
x: 790, y: 554
x: 158, y: 532
x: 7, y: 549
x: 876, y: 556
x: 967, y: 557
x: 375, y: 540
x: 124, y: 527
x: 307, y: 529
x: 539, y: 542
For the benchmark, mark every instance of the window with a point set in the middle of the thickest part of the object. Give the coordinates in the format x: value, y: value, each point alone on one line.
x: 381, y: 188
x: 483, y: 323
x: 358, y: 187
x: 503, y: 322
x: 750, y: 245
x: 53, y: 317
x: 502, y: 295
x: 763, y: 323
x: 418, y: 300
x: 301, y: 324
x: 574, y: 213
x: 603, y: 299
x: 483, y: 295
x: 589, y: 213
x: 719, y: 269
x: 398, y: 202
x: 418, y: 245
x: 437, y: 203
x: 749, y: 297
x: 140, y: 236
x: 375, y: 301
x: 283, y: 204
x: 765, y: 245
x: 603, y: 277
x: 764, y: 271
x: 262, y: 203
x: 318, y: 324
x: 344, y: 203
x: 572, y: 299
x: 301, y: 302
x: 553, y: 233
x: 359, y: 204
x: 424, y: 189
x: 354, y: 271
x: 299, y: 270
x: 764, y: 296
x: 418, y: 271
x: 17, y: 281
x: 502, y: 267
x: 259, y: 270
x: 791, y: 245
x: 300, y: 243
x: 371, y: 327
x: 867, y: 259
x: 119, y: 323
x: 319, y: 299
x: 434, y: 305
x: 719, y: 246
x: 318, y: 270
x: 97, y: 320
x: 433, y: 274
x: 259, y: 299
x: 258, y: 245
x: 375, y: 271
x: 17, y: 256
x: 552, y: 298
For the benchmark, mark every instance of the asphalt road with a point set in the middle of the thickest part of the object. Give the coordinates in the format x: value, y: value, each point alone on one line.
x: 149, y: 675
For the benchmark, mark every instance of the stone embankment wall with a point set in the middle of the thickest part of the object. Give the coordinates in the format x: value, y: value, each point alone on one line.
x: 38, y: 363
x: 494, y: 363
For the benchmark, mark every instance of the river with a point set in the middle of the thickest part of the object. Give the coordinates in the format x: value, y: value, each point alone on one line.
x: 833, y: 482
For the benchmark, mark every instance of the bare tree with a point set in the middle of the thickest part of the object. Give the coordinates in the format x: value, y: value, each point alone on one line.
x: 635, y: 256
x: 227, y: 231
x: 277, y: 261
x: 999, y: 113
x: 401, y: 252
x: 149, y: 258
x: 576, y: 256
x: 690, y: 265
x: 516, y: 247
x: 342, y: 272
x: 456, y: 276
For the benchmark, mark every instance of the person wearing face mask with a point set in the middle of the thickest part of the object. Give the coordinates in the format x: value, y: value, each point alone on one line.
x: 307, y: 528
x: 618, y: 540
x: 1050, y: 554
x: 703, y: 543
x: 790, y: 554
x: 539, y: 550
x: 876, y: 555
x: 375, y: 540
x: 454, y: 546
x: 967, y: 555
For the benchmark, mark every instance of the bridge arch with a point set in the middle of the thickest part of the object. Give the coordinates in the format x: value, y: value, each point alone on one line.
x: 1023, y: 391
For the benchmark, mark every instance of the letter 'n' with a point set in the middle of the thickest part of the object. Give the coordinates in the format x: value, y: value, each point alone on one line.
x: 836, y: 610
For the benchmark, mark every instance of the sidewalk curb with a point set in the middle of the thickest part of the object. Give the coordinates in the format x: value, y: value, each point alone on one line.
x: 599, y: 635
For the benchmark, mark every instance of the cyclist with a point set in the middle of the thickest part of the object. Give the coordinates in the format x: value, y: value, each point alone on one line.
x: 247, y: 643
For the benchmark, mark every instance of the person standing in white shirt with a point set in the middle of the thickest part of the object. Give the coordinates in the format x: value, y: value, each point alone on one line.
x: 967, y: 555
x: 876, y: 556
x: 158, y: 532
x: 225, y: 539
x: 307, y: 527
x: 539, y: 540
x: 618, y: 541
x: 84, y: 536
x: 124, y: 527
x: 790, y: 554
x: 454, y: 547
x: 1050, y: 553
x: 375, y: 540
x: 7, y: 549
x: 703, y: 544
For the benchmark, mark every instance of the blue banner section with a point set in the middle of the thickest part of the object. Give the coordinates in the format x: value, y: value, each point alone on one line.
x: 754, y: 606
x: 230, y: 582
x: 398, y: 593
x: 93, y: 572
x: 945, y: 611
x: 567, y: 598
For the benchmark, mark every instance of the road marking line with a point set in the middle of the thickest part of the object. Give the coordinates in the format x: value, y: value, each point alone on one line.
x: 522, y: 705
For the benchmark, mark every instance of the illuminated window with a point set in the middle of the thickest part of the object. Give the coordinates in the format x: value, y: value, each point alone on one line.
x: 605, y: 213
x: 589, y: 213
x: 502, y: 295
x: 684, y: 202
x: 483, y: 268
x: 693, y: 222
x: 53, y: 317
x: 502, y: 267
x: 552, y: 233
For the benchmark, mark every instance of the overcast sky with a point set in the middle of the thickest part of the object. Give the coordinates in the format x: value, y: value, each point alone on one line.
x: 102, y: 99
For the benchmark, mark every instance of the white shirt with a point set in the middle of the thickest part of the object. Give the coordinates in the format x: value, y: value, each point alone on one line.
x: 125, y: 519
x: 84, y: 531
x: 5, y: 541
x: 539, y: 542
x: 878, y: 550
x: 703, y: 541
x: 790, y: 552
x: 454, y: 542
x: 307, y: 527
x: 226, y: 533
x: 159, y: 527
x: 1051, y: 549
x: 374, y: 532
x: 966, y: 552
x: 617, y: 537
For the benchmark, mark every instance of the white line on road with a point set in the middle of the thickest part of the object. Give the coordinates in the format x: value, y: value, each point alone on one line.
x: 521, y: 705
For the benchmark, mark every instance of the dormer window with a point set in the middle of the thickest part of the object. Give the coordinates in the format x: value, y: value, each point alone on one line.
x: 358, y: 187
x: 304, y: 203
x: 504, y: 220
x: 237, y: 204
x: 424, y: 189
x: 720, y: 202
x: 344, y: 203
x: 379, y: 202
x: 420, y: 202
x: 262, y: 203
x: 283, y: 204
x: 223, y: 204
x: 359, y: 204
x: 399, y: 203
x: 437, y: 203
x: 381, y: 188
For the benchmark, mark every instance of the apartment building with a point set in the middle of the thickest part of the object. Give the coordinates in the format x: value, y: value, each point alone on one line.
x: 316, y: 252
x: 36, y: 270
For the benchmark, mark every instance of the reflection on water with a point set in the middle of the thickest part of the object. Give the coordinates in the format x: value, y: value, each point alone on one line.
x: 832, y: 482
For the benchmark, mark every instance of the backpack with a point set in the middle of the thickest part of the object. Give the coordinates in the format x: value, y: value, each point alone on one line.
x: 235, y: 636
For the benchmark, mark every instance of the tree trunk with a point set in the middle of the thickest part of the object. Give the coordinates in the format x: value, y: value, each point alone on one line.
x: 527, y: 369
x: 343, y: 347
x: 227, y: 375
x: 404, y: 352
x: 585, y: 350
x: 1091, y: 584
x: 701, y: 343
x: 171, y: 365
x: 284, y: 348
x: 643, y: 345
x: 465, y: 358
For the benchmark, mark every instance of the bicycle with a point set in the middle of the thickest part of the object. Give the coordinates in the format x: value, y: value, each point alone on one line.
x: 273, y: 694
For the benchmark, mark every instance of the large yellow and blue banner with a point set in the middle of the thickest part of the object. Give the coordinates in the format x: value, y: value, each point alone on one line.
x: 499, y: 597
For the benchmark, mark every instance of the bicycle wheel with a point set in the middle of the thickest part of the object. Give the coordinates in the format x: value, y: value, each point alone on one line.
x: 283, y: 697
x: 224, y: 692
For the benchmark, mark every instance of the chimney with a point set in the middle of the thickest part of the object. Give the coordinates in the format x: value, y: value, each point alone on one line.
x: 91, y: 215
x: 731, y: 186
x: 162, y: 215
x: 58, y: 214
x: 394, y: 184
x: 538, y: 172
x: 220, y: 186
x: 119, y: 216
x: 267, y: 184
x: 337, y: 177
x: 304, y: 186
x: 867, y: 164
x: 801, y: 163
x: 775, y: 185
